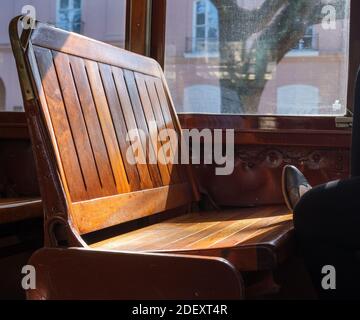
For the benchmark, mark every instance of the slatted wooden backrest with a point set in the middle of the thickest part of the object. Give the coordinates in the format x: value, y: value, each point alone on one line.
x: 90, y: 95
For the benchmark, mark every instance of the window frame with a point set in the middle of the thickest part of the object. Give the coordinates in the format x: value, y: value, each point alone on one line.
x: 154, y: 23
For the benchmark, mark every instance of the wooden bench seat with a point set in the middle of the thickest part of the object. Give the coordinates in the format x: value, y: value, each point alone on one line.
x: 251, y: 239
x: 82, y: 98
x: 19, y: 209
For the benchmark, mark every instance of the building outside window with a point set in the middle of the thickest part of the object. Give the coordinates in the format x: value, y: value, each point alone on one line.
x: 101, y: 20
x: 265, y: 65
x: 264, y: 57
x: 68, y: 15
x: 205, y: 28
x: 309, y: 41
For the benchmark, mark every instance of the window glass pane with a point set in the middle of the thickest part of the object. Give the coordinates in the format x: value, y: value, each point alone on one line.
x: 63, y: 19
x: 200, y: 7
x: 200, y: 12
x: 77, y: 3
x: 76, y: 21
x: 64, y: 4
x: 212, y: 32
x: 199, y: 45
x: 200, y: 32
x: 102, y: 20
x: 271, y: 57
x: 200, y: 19
x: 213, y: 20
x: 70, y: 18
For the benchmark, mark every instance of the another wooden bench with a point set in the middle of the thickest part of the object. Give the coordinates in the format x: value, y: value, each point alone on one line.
x: 21, y: 234
x: 19, y: 209
x: 81, y: 97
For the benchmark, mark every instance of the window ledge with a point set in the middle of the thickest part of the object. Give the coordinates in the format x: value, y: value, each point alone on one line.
x: 303, y: 53
x: 193, y: 55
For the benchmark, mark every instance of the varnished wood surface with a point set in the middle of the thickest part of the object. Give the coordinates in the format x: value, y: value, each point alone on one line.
x: 101, y: 213
x: 90, y: 102
x: 215, y: 234
x: 158, y: 25
x: 78, y: 274
x: 19, y: 209
x: 274, y: 130
x: 136, y: 26
x: 75, y: 44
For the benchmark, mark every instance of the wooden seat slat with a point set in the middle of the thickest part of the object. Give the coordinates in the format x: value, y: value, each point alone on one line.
x: 60, y: 124
x: 269, y: 218
x: 119, y: 124
x: 128, y: 113
x: 175, y: 171
x: 95, y: 131
x: 116, y: 147
x: 97, y: 214
x: 143, y: 126
x: 77, y: 124
x: 241, y: 229
x: 153, y: 129
x: 168, y: 118
x: 178, y: 232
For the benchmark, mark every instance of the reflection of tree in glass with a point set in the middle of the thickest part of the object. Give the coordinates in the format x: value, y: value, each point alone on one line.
x: 253, y: 40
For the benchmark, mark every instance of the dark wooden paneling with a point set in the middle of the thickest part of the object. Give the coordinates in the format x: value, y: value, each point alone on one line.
x: 272, y: 130
x: 17, y: 169
x: 19, y: 209
x: 256, y: 179
x: 314, y: 145
x: 13, y: 125
x: 264, y: 123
